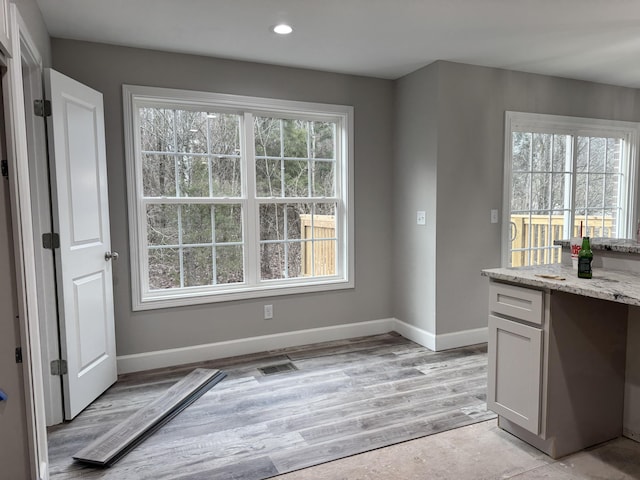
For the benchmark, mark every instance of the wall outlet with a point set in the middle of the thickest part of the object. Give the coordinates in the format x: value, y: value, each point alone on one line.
x: 494, y: 215
x: 268, y: 312
x: 421, y: 218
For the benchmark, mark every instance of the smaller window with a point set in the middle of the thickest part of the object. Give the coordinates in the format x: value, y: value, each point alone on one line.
x: 564, y: 175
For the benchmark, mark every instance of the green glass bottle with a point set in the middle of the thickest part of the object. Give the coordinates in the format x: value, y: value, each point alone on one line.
x: 585, y: 257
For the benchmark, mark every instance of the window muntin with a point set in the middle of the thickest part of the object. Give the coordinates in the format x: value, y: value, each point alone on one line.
x: 561, y: 172
x: 236, y: 196
x: 196, y: 155
x: 295, y: 160
x: 297, y: 240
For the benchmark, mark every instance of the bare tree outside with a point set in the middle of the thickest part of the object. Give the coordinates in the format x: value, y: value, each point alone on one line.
x: 295, y: 160
x: 192, y: 191
x: 195, y: 155
x: 559, y: 182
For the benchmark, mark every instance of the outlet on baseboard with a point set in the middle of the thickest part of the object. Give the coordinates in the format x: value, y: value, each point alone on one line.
x: 268, y: 312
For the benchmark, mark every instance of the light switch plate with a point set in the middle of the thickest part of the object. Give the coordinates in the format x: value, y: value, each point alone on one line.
x: 421, y: 218
x: 494, y: 215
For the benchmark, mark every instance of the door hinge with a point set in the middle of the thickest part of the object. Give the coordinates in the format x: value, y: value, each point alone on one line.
x: 59, y: 367
x: 50, y: 241
x: 18, y: 354
x: 42, y: 108
x: 4, y: 167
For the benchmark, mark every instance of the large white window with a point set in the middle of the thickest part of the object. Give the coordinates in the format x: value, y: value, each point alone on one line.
x: 564, y: 175
x: 235, y: 197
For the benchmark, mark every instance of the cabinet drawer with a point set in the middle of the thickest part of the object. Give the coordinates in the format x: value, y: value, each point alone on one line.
x: 517, y: 302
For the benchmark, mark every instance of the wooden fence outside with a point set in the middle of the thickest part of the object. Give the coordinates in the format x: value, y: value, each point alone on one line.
x: 319, y: 256
x: 542, y: 248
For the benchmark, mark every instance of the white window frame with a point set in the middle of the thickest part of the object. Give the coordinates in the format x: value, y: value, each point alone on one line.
x: 145, y: 299
x: 576, y: 126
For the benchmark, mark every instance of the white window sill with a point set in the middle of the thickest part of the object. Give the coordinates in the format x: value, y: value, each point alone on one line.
x: 166, y: 299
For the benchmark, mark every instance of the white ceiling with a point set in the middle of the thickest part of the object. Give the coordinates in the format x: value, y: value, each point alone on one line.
x: 596, y: 40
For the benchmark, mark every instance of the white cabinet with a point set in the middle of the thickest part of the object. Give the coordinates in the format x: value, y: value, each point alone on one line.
x: 514, y: 384
x: 556, y: 366
x: 518, y: 303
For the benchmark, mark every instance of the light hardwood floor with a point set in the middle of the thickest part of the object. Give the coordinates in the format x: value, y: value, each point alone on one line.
x: 345, y: 398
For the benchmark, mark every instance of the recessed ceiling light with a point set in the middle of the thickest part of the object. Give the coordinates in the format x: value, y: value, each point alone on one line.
x: 283, y: 29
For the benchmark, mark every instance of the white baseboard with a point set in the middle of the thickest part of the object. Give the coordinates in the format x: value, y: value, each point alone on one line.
x: 463, y: 338
x: 199, y: 353
x: 415, y: 334
x: 445, y: 341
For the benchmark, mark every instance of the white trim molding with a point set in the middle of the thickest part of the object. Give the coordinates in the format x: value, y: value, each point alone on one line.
x: 415, y: 334
x: 200, y: 353
x: 445, y: 341
x: 464, y: 338
x: 212, y: 351
x: 25, y: 266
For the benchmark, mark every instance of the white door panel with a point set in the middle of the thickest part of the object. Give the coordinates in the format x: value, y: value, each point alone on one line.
x: 89, y: 318
x: 84, y: 182
x: 81, y: 216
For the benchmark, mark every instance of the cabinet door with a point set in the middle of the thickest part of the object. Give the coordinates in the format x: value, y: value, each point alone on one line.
x: 515, y: 381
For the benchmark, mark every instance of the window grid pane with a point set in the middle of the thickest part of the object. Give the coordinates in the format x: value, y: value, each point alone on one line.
x: 202, y: 147
x: 190, y: 164
x: 199, y: 234
x: 191, y: 154
x: 294, y: 158
x: 300, y: 243
x: 598, y: 193
x: 541, y: 192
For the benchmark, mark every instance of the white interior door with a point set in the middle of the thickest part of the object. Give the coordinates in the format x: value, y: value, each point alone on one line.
x: 81, y: 217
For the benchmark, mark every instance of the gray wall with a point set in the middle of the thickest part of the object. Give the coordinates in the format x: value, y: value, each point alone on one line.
x: 106, y: 68
x: 447, y: 159
x: 30, y: 13
x: 415, y: 189
x: 470, y: 146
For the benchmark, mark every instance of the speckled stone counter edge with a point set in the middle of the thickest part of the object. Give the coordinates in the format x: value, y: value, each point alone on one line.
x: 622, y: 245
x: 614, y: 285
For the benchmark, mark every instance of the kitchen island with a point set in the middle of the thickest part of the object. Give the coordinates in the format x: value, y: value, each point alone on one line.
x: 558, y: 352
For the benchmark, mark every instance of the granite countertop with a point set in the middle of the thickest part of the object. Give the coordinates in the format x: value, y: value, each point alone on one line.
x: 614, y: 285
x: 622, y: 245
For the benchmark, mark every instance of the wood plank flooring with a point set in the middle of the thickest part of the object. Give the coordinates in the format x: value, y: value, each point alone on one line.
x: 117, y: 442
x: 346, y: 397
